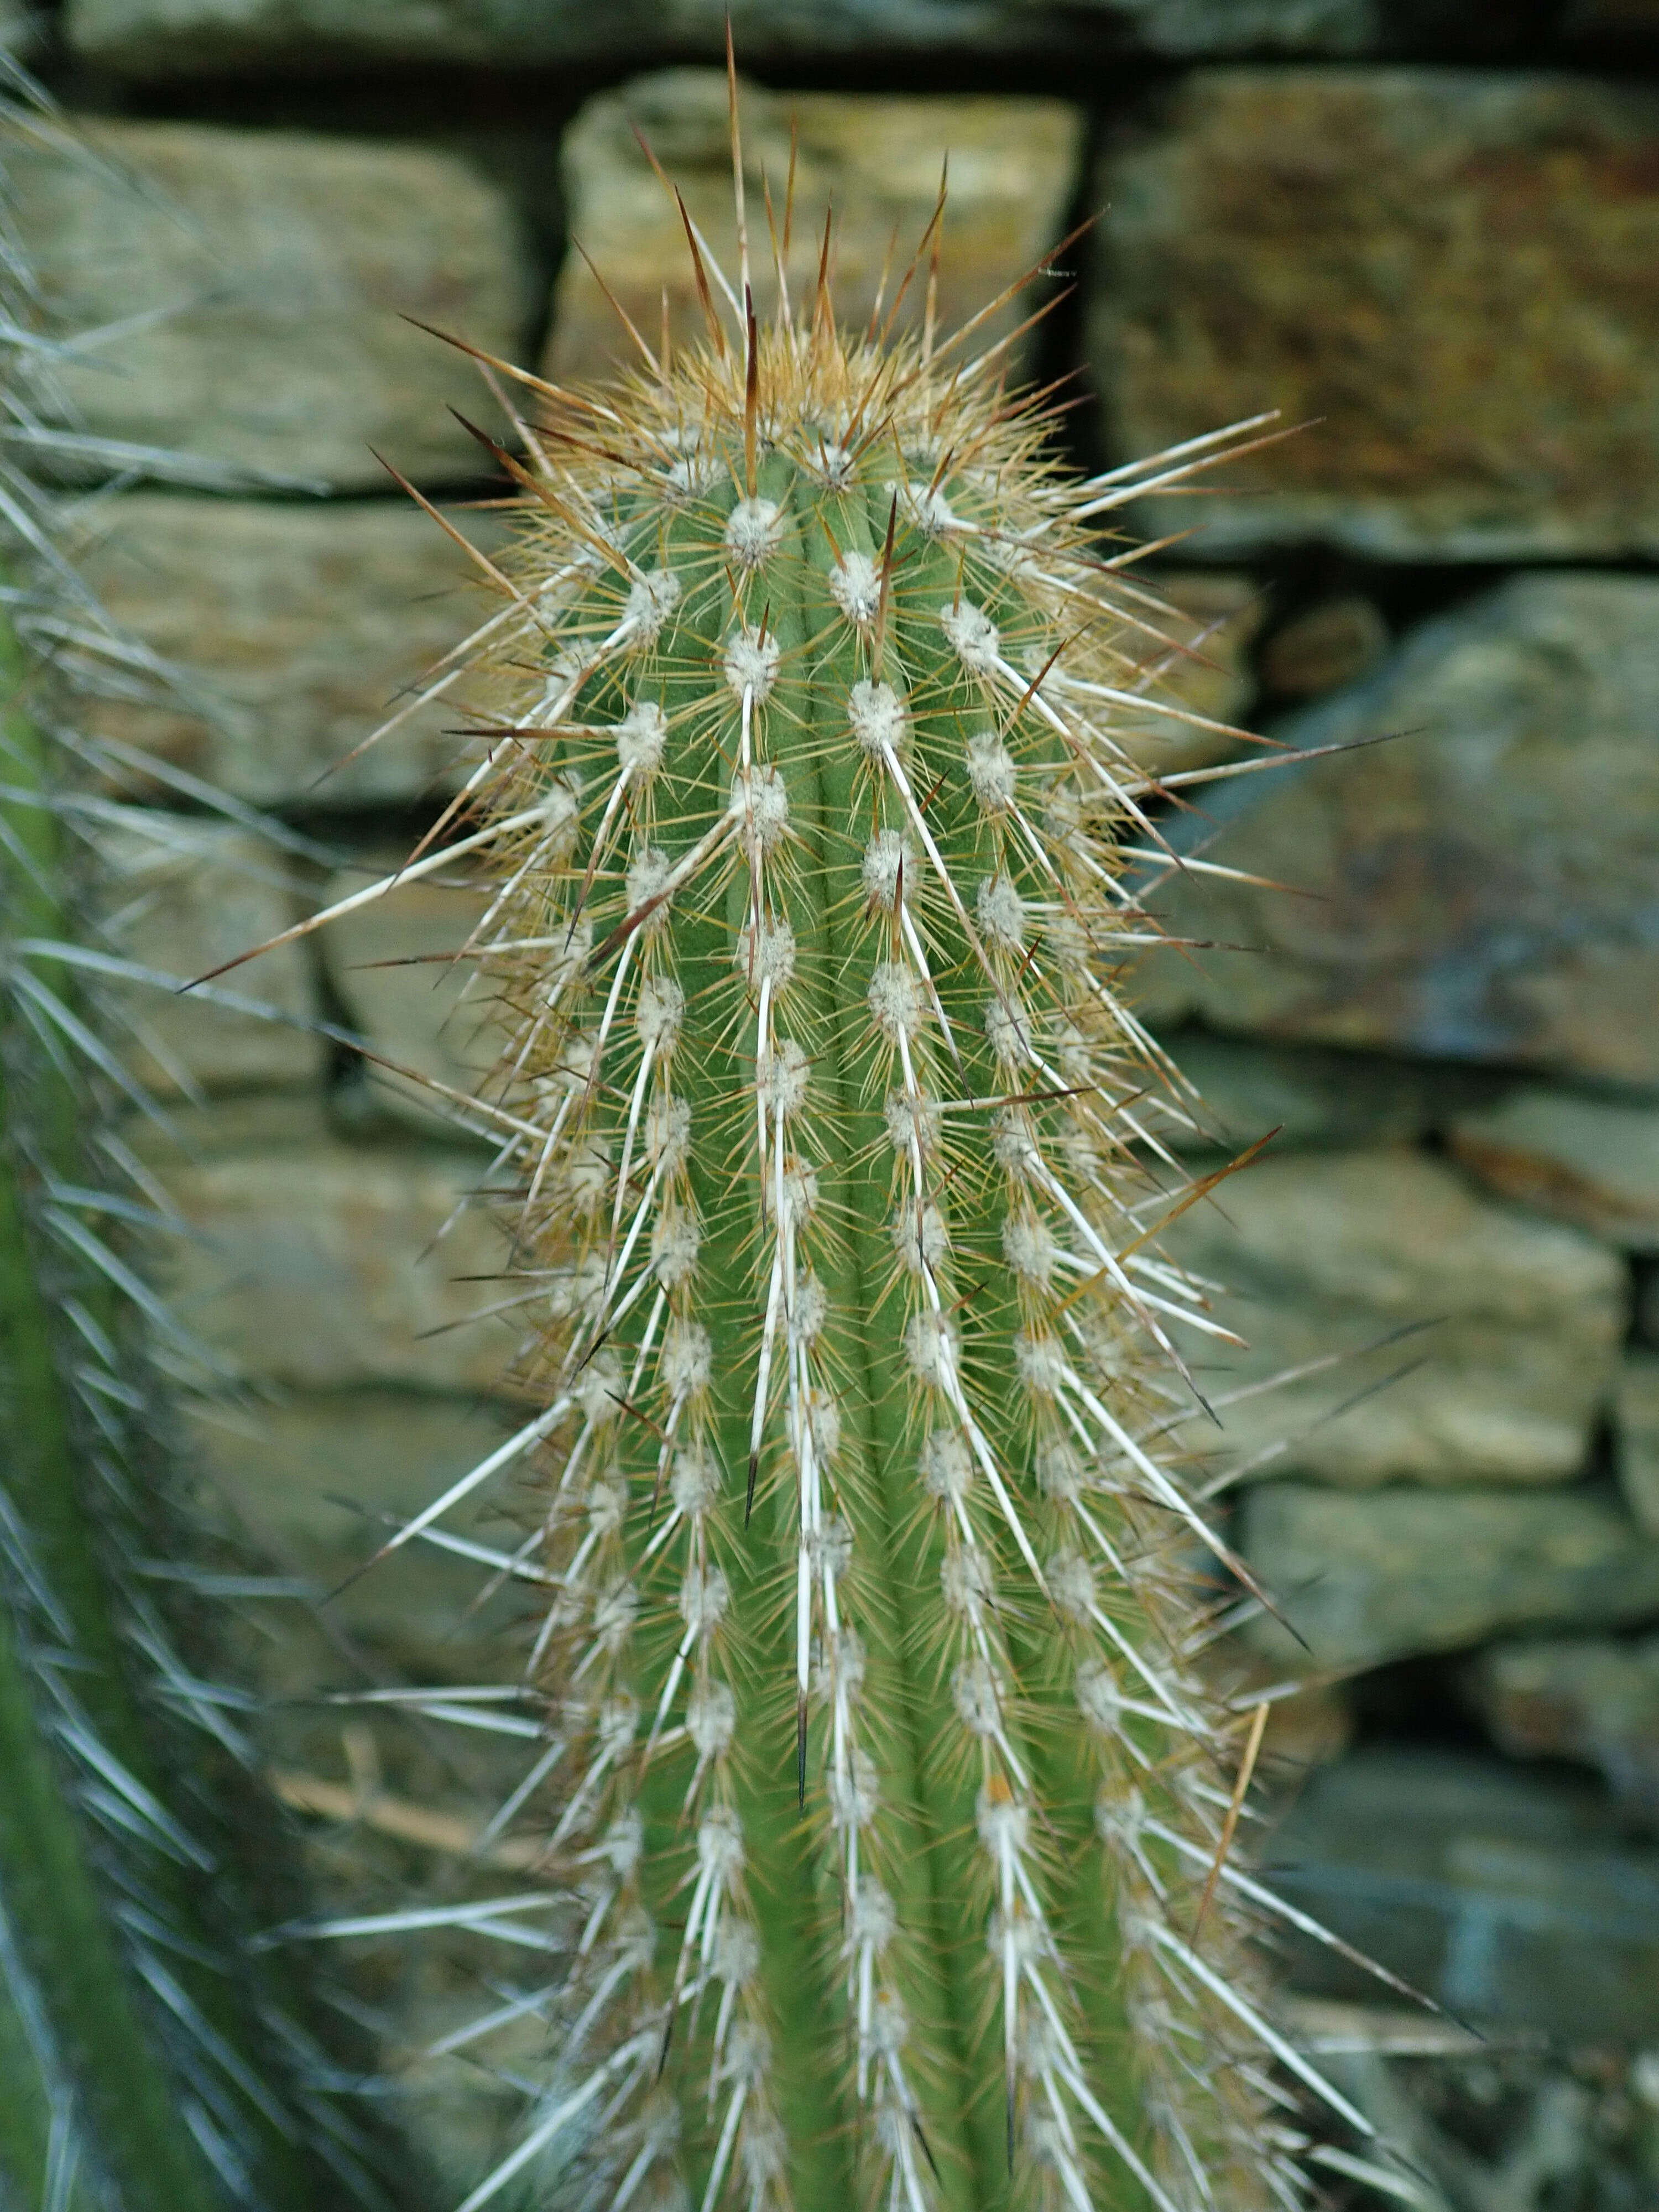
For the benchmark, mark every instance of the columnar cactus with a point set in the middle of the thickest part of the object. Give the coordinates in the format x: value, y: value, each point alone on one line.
x: 876, y: 1757
x: 147, y: 2059
x: 78, y: 2071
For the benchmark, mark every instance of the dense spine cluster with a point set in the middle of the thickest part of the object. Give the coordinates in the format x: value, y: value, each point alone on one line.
x: 867, y: 1608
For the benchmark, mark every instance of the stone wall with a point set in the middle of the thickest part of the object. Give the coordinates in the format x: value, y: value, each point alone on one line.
x: 1428, y: 235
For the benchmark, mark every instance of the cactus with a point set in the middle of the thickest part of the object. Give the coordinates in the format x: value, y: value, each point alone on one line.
x: 149, y: 2060
x: 892, y: 1813
x: 69, y: 2015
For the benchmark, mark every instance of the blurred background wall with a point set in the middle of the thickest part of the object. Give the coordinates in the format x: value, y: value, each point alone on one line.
x: 1431, y: 232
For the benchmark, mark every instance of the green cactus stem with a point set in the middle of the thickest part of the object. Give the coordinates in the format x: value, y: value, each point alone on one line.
x: 153, y: 2058
x: 148, y: 2059
x: 75, y: 2059
x: 876, y: 1766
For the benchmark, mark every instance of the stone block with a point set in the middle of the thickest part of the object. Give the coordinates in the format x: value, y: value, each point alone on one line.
x: 1343, y: 1255
x: 1184, y: 29
x: 876, y: 160
x: 1213, y: 619
x: 390, y: 1800
x: 428, y: 1014
x: 309, y: 1262
x: 294, y: 630
x: 1636, y: 1433
x: 1330, y: 644
x: 1313, y: 1097
x: 1594, y: 1699
x: 1592, y: 1161
x: 1308, y: 1721
x: 1450, y: 274
x: 1475, y: 878
x: 162, y: 39
x: 177, y: 896
x: 1510, y: 1898
x: 316, y: 1483
x: 1310, y: 1727
x: 1387, y: 1574
x: 253, y: 288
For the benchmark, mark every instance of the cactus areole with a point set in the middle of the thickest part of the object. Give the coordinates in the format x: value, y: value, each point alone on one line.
x: 893, y: 1814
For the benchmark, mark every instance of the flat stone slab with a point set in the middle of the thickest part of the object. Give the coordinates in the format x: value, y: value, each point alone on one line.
x: 1512, y: 1899
x: 1214, y: 615
x: 254, y: 290
x: 1450, y: 274
x: 1481, y: 885
x: 388, y: 966
x: 1333, y: 642
x: 1500, y: 1333
x: 878, y: 160
x: 158, y: 38
x: 310, y: 1261
x: 1387, y: 1574
x: 291, y: 630
x: 1594, y: 1699
x: 319, y: 1481
x: 1636, y: 1435
x: 388, y: 1801
x: 176, y: 896
x: 1592, y: 1161
x: 1316, y: 1096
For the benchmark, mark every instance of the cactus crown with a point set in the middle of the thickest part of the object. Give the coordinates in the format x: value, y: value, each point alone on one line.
x: 876, y: 1755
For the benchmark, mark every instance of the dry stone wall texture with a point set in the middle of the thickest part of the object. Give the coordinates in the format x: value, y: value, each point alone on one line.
x: 310, y: 1262
x: 1450, y: 275
x: 1500, y: 1331
x: 290, y: 631
x: 879, y: 162
x: 256, y: 294
x: 1479, y: 881
x: 1433, y: 972
x: 164, y: 38
x: 182, y: 894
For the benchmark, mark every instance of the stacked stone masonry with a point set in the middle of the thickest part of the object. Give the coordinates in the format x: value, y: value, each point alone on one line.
x: 1438, y: 246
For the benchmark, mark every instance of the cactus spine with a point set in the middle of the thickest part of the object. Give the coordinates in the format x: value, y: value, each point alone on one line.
x: 876, y: 1758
